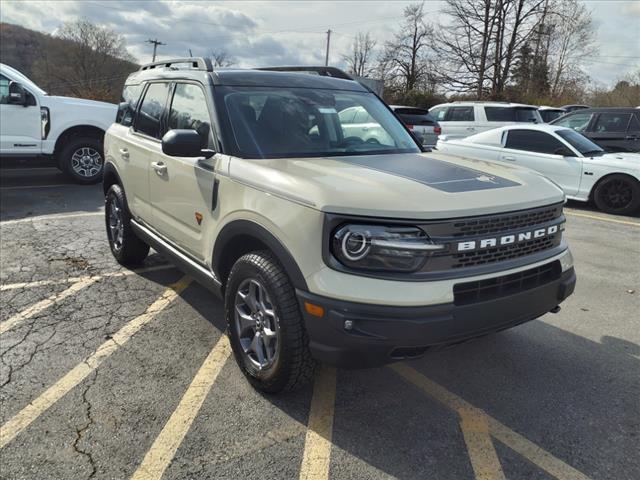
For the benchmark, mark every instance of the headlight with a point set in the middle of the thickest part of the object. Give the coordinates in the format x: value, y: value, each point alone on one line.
x: 380, y: 247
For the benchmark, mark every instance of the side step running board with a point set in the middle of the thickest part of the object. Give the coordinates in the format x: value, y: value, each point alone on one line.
x: 191, y: 267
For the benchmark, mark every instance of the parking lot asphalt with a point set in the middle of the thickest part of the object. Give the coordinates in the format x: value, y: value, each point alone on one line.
x: 110, y: 373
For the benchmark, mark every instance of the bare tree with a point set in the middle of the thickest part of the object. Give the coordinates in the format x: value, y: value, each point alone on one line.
x: 87, y: 60
x: 221, y: 58
x: 359, y: 60
x: 572, y: 38
x: 406, y: 62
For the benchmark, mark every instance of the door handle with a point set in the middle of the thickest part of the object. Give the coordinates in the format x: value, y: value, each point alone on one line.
x: 159, y: 167
x: 511, y: 159
x: 631, y: 137
x: 471, y: 129
x: 124, y: 154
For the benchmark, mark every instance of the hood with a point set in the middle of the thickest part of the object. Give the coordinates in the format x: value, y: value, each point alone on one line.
x: 70, y: 102
x: 413, y: 186
x: 622, y: 160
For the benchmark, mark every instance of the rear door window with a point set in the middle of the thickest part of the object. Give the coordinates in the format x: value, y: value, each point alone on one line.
x: 634, y: 126
x: 532, y: 141
x: 612, y: 122
x: 460, y: 114
x: 149, y: 119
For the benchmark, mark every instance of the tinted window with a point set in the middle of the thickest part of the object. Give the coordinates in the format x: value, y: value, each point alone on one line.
x: 460, y: 114
x: 511, y: 114
x: 612, y: 122
x: 189, y: 111
x: 634, y: 126
x: 438, y: 113
x: 4, y: 89
x: 263, y: 122
x: 128, y: 104
x: 550, y: 115
x: 580, y: 142
x: 149, y: 119
x: 532, y: 141
x: 577, y: 121
x: 416, y: 118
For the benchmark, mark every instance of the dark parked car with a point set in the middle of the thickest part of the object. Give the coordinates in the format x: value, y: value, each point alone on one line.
x: 573, y: 108
x: 615, y: 129
x: 420, y: 122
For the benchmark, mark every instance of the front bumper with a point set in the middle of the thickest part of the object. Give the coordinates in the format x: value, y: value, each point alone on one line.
x: 380, y: 334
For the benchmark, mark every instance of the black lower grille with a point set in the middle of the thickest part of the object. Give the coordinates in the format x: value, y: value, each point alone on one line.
x: 507, y: 252
x: 491, y: 288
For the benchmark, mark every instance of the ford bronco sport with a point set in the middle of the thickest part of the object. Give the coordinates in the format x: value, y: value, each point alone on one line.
x: 341, y: 248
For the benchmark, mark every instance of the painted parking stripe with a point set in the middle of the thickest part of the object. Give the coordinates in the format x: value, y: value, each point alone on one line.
x: 482, y: 453
x: 20, y: 317
x: 166, y: 444
x: 120, y: 273
x: 601, y: 218
x: 49, y: 397
x: 317, y: 445
x: 57, y: 216
x: 504, y: 434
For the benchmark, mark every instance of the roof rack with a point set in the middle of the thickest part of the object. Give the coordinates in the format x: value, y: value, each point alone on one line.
x: 322, y: 71
x: 197, y: 63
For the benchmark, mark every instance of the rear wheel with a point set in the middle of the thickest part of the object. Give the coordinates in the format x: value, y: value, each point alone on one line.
x: 618, y: 194
x: 82, y: 158
x: 265, y: 325
x: 125, y: 246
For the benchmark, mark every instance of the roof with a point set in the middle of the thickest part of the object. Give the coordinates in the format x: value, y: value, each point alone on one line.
x: 607, y: 110
x: 547, y: 108
x: 248, y: 77
x: 485, y: 103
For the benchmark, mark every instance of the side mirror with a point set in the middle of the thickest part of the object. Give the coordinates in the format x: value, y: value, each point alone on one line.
x: 564, y: 151
x: 17, y: 94
x: 184, y: 143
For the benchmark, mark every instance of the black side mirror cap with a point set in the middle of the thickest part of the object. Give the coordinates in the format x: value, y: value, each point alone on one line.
x: 183, y: 143
x: 17, y: 94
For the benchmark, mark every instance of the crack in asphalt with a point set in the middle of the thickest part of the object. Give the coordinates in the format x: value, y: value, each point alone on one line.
x: 82, y: 431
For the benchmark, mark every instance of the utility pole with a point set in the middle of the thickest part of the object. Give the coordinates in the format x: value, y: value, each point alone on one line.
x: 155, y: 47
x: 326, y: 58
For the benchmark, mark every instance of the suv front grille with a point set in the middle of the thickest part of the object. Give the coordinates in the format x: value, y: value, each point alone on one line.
x: 491, y: 288
x: 503, y: 253
x: 505, y: 223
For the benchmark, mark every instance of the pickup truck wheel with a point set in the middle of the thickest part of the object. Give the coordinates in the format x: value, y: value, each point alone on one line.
x: 82, y: 159
x: 126, y: 247
x: 618, y: 194
x: 265, y: 324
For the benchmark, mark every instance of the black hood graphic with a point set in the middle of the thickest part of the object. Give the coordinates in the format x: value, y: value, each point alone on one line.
x: 444, y: 176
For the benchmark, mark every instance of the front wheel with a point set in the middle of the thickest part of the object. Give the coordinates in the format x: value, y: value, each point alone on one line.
x: 82, y: 159
x: 265, y: 325
x: 618, y: 194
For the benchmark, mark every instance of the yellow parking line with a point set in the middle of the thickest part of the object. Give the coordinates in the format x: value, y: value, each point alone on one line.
x: 56, y: 216
x: 35, y: 309
x: 516, y: 442
x: 317, y: 445
x: 81, y: 371
x: 164, y: 448
x: 121, y: 273
x: 603, y: 219
x: 483, y: 456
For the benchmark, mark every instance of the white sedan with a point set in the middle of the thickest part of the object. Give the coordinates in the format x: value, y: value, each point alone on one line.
x: 580, y: 167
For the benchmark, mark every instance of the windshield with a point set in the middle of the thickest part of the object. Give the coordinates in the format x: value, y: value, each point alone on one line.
x: 580, y: 142
x: 269, y: 122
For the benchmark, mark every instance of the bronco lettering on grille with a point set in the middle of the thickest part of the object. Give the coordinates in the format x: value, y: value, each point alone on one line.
x: 503, y: 240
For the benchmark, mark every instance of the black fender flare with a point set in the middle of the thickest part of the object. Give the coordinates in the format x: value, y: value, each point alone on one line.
x: 249, y: 229
x: 110, y: 173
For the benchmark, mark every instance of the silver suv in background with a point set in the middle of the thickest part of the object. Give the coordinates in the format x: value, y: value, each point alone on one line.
x: 420, y: 122
x: 461, y: 119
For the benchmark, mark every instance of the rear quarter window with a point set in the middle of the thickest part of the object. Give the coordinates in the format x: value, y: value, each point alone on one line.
x: 128, y: 104
x: 460, y: 114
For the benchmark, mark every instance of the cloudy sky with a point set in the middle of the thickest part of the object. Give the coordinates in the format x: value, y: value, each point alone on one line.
x: 292, y: 32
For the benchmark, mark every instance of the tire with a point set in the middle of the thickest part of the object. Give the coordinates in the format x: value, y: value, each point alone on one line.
x: 82, y: 158
x: 125, y: 246
x: 286, y: 364
x: 617, y: 194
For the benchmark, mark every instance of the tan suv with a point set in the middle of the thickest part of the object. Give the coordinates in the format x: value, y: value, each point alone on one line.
x: 326, y: 244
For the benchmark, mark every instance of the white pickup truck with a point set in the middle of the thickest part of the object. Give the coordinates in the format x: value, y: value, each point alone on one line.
x: 67, y: 130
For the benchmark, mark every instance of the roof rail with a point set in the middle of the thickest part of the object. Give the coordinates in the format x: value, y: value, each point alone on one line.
x: 322, y: 71
x: 197, y: 63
